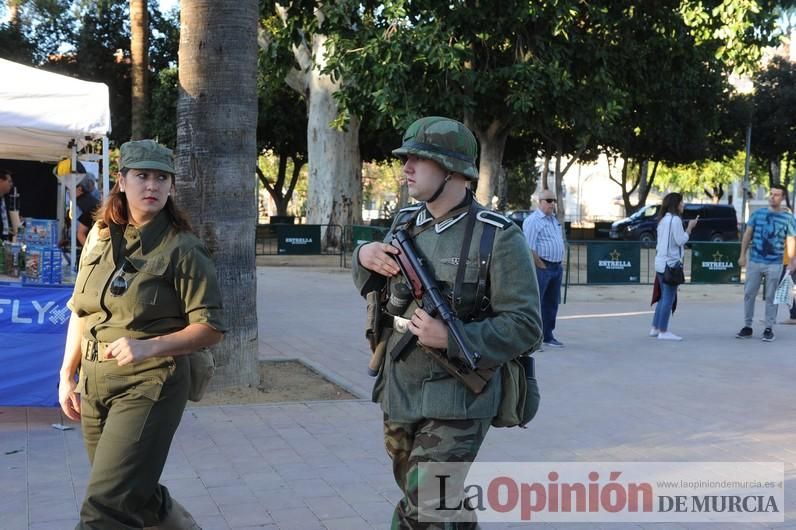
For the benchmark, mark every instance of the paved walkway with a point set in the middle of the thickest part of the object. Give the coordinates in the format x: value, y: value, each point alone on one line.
x: 612, y: 394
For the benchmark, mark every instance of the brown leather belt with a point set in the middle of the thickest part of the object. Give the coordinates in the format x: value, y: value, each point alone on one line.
x: 93, y: 349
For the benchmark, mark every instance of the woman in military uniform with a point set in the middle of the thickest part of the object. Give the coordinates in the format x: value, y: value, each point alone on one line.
x: 429, y: 415
x: 146, y: 296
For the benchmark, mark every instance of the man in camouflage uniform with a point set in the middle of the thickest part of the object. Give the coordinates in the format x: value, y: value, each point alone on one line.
x: 430, y: 416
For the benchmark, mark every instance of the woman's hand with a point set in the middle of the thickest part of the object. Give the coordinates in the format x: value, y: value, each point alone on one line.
x: 430, y: 331
x: 691, y: 224
x: 130, y: 351
x: 69, y: 400
x: 377, y: 257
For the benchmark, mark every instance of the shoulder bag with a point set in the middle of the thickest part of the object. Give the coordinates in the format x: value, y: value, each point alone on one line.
x: 673, y: 274
x: 203, y: 366
x: 520, y: 397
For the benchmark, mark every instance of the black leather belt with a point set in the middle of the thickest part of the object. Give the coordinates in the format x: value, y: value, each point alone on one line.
x: 550, y: 262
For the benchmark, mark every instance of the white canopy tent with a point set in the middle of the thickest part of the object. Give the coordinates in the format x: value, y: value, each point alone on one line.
x: 47, y: 117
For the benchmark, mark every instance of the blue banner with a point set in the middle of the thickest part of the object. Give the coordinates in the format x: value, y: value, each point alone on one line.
x: 33, y: 324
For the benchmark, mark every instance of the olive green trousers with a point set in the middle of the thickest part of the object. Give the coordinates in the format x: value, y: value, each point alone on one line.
x: 129, y: 415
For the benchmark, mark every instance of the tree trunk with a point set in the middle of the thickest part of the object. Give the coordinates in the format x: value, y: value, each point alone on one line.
x: 139, y: 46
x: 334, y: 182
x: 279, y: 192
x: 561, y: 209
x: 493, y: 144
x: 216, y: 156
x: 12, y: 7
x: 545, y: 172
x: 774, y: 171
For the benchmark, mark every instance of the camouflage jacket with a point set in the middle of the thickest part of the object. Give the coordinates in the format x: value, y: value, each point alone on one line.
x: 414, y: 386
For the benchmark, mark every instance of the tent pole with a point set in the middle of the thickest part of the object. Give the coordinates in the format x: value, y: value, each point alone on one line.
x: 73, y: 210
x: 106, y: 168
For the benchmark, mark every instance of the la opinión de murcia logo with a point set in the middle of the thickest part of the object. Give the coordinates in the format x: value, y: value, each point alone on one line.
x: 602, y: 492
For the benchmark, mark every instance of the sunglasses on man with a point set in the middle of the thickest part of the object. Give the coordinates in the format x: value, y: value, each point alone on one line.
x: 549, y: 201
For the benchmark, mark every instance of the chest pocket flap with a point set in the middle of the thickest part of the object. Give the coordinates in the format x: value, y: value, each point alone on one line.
x: 151, y: 279
x: 156, y: 266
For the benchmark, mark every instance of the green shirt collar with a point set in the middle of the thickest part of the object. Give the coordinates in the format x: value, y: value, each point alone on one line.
x: 152, y: 232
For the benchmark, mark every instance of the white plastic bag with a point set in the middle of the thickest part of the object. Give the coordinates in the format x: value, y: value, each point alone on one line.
x: 784, y: 292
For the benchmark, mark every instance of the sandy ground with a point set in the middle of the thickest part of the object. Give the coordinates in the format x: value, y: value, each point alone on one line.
x: 280, y: 381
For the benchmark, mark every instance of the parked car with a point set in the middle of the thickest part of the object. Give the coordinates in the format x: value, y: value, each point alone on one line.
x: 518, y: 216
x: 717, y: 222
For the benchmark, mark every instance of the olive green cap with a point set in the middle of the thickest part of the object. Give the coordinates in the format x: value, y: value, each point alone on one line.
x: 443, y: 140
x: 146, y: 154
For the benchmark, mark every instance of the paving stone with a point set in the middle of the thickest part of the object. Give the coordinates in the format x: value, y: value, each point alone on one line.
x: 611, y: 394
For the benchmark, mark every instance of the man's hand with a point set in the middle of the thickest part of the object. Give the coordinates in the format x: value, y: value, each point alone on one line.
x: 129, y: 351
x: 431, y: 332
x: 377, y: 257
x: 69, y: 400
x: 742, y: 260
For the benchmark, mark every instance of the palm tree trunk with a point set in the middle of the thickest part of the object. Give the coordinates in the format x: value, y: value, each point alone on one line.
x: 139, y: 44
x: 216, y: 155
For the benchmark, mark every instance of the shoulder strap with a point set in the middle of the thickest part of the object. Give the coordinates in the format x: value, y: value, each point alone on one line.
x: 465, y: 251
x: 484, y: 261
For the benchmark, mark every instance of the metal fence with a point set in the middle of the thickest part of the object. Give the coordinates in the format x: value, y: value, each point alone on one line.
x: 620, y: 262
x: 290, y: 239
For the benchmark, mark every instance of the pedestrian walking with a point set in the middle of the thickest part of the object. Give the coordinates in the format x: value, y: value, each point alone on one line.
x: 480, y: 262
x: 145, y: 297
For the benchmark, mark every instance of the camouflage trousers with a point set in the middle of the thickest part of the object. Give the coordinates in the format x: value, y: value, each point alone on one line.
x: 430, y: 440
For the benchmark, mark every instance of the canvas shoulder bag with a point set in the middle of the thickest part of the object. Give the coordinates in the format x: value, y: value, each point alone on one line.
x: 202, y: 367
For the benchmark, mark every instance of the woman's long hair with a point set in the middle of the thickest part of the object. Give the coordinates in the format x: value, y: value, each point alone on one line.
x: 114, y: 209
x: 671, y: 204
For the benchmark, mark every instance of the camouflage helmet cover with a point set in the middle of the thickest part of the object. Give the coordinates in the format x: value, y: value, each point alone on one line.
x: 443, y: 140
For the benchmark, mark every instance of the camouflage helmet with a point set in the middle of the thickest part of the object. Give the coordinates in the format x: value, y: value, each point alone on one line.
x: 443, y: 140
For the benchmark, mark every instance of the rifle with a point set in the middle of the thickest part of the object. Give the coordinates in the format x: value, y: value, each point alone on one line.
x: 425, y: 288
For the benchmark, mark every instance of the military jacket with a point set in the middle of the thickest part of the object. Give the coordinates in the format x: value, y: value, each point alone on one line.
x: 414, y: 386
x: 171, y: 282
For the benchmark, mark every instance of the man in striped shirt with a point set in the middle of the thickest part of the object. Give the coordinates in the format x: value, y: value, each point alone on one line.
x: 543, y: 233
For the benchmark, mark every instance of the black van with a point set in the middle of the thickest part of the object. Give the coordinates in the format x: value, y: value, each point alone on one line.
x: 717, y: 222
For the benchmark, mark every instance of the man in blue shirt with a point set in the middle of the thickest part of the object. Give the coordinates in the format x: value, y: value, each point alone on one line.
x: 768, y: 232
x: 543, y: 234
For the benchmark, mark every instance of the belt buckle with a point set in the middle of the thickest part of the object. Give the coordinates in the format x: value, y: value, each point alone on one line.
x: 91, y: 350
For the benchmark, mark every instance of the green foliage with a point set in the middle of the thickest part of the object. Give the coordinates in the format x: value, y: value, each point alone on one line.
x: 774, y: 118
x: 709, y: 177
x: 46, y: 25
x: 14, y: 45
x: 90, y: 39
x: 737, y: 30
x: 162, y: 122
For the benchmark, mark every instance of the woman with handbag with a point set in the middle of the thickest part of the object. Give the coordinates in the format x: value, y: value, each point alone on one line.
x: 669, y: 261
x: 145, y: 297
